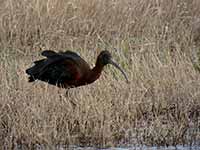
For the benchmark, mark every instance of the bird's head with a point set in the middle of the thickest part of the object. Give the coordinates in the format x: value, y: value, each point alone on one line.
x: 105, y: 58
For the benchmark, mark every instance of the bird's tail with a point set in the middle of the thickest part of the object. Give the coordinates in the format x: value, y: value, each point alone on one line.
x: 35, y: 70
x: 31, y: 79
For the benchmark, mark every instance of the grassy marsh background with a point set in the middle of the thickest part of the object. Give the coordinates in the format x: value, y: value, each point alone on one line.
x: 155, y: 41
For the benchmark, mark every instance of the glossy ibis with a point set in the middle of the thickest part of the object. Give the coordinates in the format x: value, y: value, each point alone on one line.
x: 67, y: 69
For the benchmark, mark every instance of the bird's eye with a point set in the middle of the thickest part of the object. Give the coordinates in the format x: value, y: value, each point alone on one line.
x: 106, y: 59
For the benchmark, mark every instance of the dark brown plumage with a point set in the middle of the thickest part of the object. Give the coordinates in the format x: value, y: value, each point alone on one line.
x: 68, y: 69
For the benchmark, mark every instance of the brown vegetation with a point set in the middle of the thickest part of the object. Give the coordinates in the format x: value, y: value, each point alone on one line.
x: 156, y: 42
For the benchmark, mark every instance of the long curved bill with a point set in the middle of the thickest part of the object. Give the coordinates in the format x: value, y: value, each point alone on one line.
x: 118, y: 67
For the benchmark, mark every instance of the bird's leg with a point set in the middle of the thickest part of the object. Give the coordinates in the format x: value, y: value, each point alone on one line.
x: 61, y: 96
x: 67, y: 93
x: 68, y: 96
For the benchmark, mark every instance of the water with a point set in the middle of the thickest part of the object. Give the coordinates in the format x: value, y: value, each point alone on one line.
x: 138, y: 148
x: 179, y: 147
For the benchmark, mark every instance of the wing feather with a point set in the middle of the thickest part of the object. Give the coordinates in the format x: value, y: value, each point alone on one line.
x: 52, y: 68
x: 49, y: 53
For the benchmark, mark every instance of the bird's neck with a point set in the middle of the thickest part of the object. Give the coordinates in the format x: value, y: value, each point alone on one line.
x: 95, y: 72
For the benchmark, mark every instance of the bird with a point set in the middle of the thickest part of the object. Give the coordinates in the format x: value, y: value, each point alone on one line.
x: 68, y: 70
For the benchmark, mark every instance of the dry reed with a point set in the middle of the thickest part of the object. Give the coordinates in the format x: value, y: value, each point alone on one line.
x: 156, y: 42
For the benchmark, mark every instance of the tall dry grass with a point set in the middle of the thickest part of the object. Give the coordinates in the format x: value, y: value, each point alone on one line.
x: 156, y: 42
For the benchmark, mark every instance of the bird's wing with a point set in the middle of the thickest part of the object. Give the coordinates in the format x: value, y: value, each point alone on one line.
x: 67, y: 56
x: 57, y: 65
x: 68, y: 53
x: 49, y: 53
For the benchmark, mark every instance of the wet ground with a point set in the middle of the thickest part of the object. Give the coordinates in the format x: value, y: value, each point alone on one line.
x: 179, y: 147
x: 144, y: 148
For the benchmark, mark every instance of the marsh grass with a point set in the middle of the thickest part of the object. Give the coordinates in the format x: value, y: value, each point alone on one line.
x: 156, y: 42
